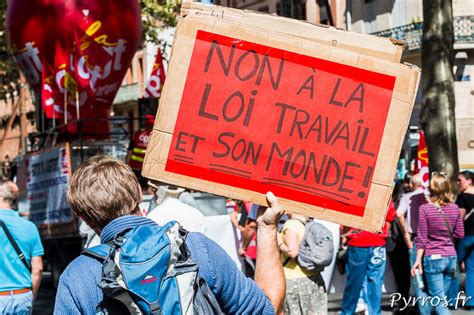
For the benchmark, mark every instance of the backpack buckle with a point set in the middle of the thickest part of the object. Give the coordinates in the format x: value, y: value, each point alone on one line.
x: 119, y: 240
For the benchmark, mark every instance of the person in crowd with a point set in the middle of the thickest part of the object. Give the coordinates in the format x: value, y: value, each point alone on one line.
x: 248, y: 249
x: 408, y: 208
x: 407, y: 217
x: 397, y: 249
x: 366, y: 260
x: 170, y: 208
x: 465, y: 247
x: 105, y: 193
x: 439, y: 223
x: 21, y: 264
x: 137, y: 148
x: 305, y: 291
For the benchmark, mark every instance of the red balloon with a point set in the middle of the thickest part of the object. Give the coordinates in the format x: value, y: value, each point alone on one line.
x: 74, y: 53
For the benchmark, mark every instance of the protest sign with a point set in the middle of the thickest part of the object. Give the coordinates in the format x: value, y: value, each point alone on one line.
x: 44, y: 177
x: 318, y: 125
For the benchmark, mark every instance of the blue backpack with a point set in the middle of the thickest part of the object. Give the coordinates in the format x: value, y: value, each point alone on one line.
x: 149, y: 270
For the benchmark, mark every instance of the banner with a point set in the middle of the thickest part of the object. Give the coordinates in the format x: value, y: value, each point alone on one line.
x: 320, y: 142
x: 75, y: 52
x: 157, y: 78
x: 45, y: 177
x: 422, y: 161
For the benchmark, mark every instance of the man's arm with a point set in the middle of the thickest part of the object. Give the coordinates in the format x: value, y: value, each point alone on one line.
x: 403, y: 228
x: 235, y: 293
x: 36, y: 272
x: 269, y: 270
x: 290, y: 246
x: 401, y: 211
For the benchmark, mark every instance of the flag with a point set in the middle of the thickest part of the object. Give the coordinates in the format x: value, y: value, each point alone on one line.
x: 421, y: 165
x: 52, y: 88
x: 157, y: 78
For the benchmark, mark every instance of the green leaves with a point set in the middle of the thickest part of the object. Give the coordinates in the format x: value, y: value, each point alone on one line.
x: 157, y: 14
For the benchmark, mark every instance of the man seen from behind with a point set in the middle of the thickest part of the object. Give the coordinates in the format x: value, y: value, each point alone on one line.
x: 105, y: 193
x: 20, y: 255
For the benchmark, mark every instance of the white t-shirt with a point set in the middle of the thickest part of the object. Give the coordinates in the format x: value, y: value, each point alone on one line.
x: 172, y: 209
x: 405, y: 205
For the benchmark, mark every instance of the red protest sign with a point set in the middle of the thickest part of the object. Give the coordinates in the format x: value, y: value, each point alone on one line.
x: 248, y: 108
x: 261, y: 118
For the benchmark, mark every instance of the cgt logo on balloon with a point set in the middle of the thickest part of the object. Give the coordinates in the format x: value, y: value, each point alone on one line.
x: 74, y: 53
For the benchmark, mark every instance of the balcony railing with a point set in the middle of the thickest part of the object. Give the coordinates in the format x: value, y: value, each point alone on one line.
x: 464, y: 29
x: 411, y: 33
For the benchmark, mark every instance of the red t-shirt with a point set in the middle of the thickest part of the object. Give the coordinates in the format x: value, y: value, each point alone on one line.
x: 359, y: 238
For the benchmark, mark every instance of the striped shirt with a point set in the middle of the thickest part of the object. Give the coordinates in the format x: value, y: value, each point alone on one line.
x: 433, y: 235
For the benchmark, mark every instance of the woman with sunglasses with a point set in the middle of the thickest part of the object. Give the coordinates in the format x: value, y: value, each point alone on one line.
x: 439, y: 223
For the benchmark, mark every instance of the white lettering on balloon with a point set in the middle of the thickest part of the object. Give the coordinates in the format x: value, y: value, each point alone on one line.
x: 29, y: 62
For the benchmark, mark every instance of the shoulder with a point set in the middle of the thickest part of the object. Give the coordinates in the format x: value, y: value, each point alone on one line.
x: 81, y: 269
x: 199, y: 243
x: 78, y: 290
x: 463, y: 198
x: 427, y: 206
x: 293, y: 224
x: 406, y: 197
x: 32, y: 228
x: 451, y: 207
x: 22, y: 225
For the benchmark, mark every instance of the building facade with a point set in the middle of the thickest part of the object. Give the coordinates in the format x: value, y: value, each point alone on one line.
x: 17, y: 120
x: 403, y: 20
x: 399, y: 19
x: 133, y: 85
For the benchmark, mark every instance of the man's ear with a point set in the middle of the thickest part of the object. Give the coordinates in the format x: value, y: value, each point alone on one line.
x: 95, y: 229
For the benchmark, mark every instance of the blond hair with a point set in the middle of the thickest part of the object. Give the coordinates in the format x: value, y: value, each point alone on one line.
x: 440, y: 189
x: 103, y: 189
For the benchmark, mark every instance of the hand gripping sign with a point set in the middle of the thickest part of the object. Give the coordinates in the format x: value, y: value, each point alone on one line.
x: 319, y: 126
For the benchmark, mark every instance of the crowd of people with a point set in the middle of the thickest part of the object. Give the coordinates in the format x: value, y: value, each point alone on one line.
x: 437, y: 233
x: 431, y: 232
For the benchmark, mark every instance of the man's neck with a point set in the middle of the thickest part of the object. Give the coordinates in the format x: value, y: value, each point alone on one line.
x: 417, y: 188
x: 6, y: 206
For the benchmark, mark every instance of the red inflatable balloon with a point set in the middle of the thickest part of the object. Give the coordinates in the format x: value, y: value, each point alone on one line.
x: 74, y: 53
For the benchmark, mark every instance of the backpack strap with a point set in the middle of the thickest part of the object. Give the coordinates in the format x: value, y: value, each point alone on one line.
x: 301, y: 221
x: 99, y: 252
x: 446, y: 224
x: 17, y: 249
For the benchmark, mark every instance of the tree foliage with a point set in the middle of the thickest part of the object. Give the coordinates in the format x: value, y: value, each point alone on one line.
x: 9, y: 74
x: 158, y: 14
